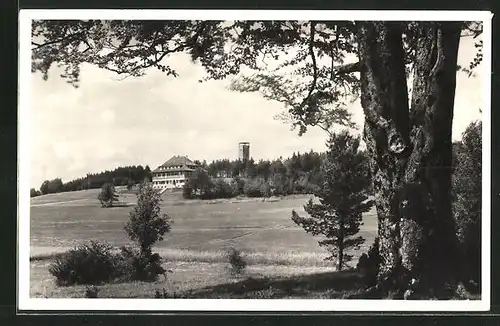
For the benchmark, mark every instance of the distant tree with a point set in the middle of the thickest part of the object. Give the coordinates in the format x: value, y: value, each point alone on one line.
x: 222, y: 189
x: 44, y: 188
x: 107, y: 195
x: 250, y: 168
x: 467, y: 199
x: 55, y: 185
x: 343, y: 199
x: 279, y: 184
x: 200, y: 182
x: 34, y: 192
x: 263, y: 169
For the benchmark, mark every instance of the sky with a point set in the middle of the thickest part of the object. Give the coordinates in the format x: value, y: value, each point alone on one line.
x: 109, y: 122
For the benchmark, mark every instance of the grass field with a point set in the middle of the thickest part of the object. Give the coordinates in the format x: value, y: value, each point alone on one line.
x: 202, y: 231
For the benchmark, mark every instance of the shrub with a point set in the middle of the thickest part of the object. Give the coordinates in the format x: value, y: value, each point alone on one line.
x: 91, y: 292
x: 253, y: 188
x: 139, y: 266
x: 107, y: 195
x: 236, y: 262
x: 222, y: 189
x: 265, y: 189
x: 86, y: 264
x: 239, y: 186
x: 369, y: 263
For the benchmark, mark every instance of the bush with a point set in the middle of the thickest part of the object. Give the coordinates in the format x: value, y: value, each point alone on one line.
x: 253, y: 188
x: 87, y: 264
x: 239, y: 186
x: 369, y: 263
x: 91, y: 292
x: 222, y: 189
x: 107, y: 195
x: 236, y: 261
x: 139, y: 266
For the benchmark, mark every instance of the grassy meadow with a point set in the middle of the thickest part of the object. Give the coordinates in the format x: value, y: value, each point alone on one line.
x: 275, y: 248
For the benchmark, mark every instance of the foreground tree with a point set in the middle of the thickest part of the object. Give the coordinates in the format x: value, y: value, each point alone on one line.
x: 146, y: 226
x: 343, y: 199
x: 409, y: 144
x: 107, y: 195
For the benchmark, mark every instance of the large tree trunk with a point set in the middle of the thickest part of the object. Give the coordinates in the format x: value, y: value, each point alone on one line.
x: 410, y: 150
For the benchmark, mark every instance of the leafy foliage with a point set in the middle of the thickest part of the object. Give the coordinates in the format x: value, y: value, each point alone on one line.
x: 297, y: 174
x: 121, y: 176
x: 198, y: 184
x: 343, y: 199
x: 147, y: 225
x: 467, y: 201
x: 34, y: 192
x: 141, y: 266
x: 52, y: 186
x: 319, y: 52
x: 87, y: 264
x: 107, y: 195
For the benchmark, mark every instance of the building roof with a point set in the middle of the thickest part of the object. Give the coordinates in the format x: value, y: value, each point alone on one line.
x: 177, y: 161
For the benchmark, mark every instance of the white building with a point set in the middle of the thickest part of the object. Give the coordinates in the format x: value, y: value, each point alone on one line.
x: 173, y: 173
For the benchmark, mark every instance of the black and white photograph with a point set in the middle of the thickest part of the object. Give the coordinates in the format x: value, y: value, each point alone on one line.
x: 299, y: 160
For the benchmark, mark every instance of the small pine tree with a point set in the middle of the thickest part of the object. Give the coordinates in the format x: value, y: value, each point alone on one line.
x: 107, y: 195
x: 343, y: 199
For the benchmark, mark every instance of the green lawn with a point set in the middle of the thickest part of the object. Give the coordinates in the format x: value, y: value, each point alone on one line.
x: 272, y: 244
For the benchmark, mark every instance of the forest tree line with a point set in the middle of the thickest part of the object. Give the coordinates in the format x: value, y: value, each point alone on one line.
x: 298, y: 174
x: 121, y: 176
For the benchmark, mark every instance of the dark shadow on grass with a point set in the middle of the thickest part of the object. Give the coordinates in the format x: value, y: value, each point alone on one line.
x: 321, y: 285
x: 118, y: 205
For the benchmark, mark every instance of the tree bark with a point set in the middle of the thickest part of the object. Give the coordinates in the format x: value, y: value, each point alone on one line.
x: 410, y: 150
x: 431, y: 255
